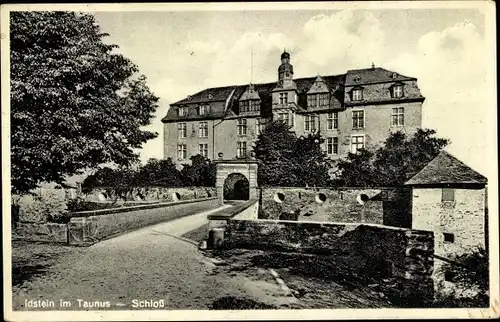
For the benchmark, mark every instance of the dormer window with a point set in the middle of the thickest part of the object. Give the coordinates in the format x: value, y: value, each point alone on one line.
x: 182, y: 111
x: 357, y: 94
x: 314, y: 100
x: 203, y: 109
x: 249, y: 106
x: 397, y: 91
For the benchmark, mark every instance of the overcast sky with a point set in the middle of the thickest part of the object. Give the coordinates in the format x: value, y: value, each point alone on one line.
x: 447, y: 50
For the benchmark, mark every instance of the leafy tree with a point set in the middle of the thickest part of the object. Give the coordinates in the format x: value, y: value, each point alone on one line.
x: 394, y: 163
x: 357, y: 170
x: 286, y: 160
x: 159, y: 173
x: 201, y: 172
x: 74, y: 102
x: 108, y: 177
x: 311, y: 164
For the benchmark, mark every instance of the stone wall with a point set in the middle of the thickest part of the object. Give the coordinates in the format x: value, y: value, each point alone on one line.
x: 87, y: 230
x: 348, y: 205
x: 48, y: 232
x: 164, y: 194
x: 399, y: 260
x: 246, y: 210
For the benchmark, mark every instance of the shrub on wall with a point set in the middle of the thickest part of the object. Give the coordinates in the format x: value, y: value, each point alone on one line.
x: 470, y: 274
x: 47, y: 204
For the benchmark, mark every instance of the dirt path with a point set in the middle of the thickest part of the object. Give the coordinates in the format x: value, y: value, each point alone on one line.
x: 148, y: 264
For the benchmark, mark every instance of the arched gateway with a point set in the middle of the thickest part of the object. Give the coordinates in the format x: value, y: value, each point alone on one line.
x: 236, y: 180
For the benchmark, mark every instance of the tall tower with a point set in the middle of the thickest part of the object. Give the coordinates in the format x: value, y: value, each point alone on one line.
x: 285, y: 70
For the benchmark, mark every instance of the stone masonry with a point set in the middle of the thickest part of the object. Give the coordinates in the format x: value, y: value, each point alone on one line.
x: 398, y: 259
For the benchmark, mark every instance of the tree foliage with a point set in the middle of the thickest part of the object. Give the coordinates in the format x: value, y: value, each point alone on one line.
x: 290, y: 161
x: 201, y: 172
x: 75, y: 103
x: 393, y: 164
x: 159, y: 173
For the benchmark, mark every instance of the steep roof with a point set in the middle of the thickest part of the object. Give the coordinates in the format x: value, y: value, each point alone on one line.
x: 335, y: 84
x: 208, y: 95
x: 373, y: 75
x: 446, y: 169
x: 222, y: 93
x: 319, y: 86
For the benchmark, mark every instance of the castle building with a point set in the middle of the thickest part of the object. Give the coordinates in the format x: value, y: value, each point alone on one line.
x: 351, y: 111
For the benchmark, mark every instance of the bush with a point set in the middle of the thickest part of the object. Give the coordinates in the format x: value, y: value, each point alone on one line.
x: 46, y: 204
x: 470, y: 273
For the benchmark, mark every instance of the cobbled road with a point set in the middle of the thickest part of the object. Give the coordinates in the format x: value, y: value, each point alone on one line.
x: 147, y: 264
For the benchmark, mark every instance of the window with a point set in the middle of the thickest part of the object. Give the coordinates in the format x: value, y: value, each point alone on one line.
x: 241, y: 152
x: 203, y: 109
x: 397, y: 91
x: 181, y: 152
x: 284, y: 98
x: 314, y: 100
x: 249, y: 106
x: 310, y: 123
x: 242, y: 127
x: 332, y: 146
x: 260, y: 126
x: 244, y: 106
x: 448, y: 195
x: 254, y: 106
x: 357, y: 94
x: 311, y: 100
x: 182, y: 111
x: 203, y: 130
x: 203, y: 149
x: 332, y: 121
x: 358, y: 119
x: 323, y: 99
x: 449, y: 276
x: 398, y: 116
x: 286, y: 117
x: 182, y: 130
x: 357, y: 142
x: 449, y: 238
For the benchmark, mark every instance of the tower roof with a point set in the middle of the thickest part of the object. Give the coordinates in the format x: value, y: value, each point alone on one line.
x: 446, y: 169
x: 285, y: 55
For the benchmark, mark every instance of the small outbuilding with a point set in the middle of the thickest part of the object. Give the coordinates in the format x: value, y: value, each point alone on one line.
x: 450, y: 199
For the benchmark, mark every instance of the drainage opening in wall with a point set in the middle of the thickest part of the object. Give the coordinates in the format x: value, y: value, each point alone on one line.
x: 176, y: 196
x: 102, y: 196
x: 362, y: 198
x: 279, y: 197
x: 320, y: 198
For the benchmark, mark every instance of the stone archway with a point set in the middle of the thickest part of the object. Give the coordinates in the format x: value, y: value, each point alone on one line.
x: 236, y: 187
x: 236, y: 179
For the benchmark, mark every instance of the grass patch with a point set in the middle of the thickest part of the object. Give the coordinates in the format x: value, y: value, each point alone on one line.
x: 198, y: 235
